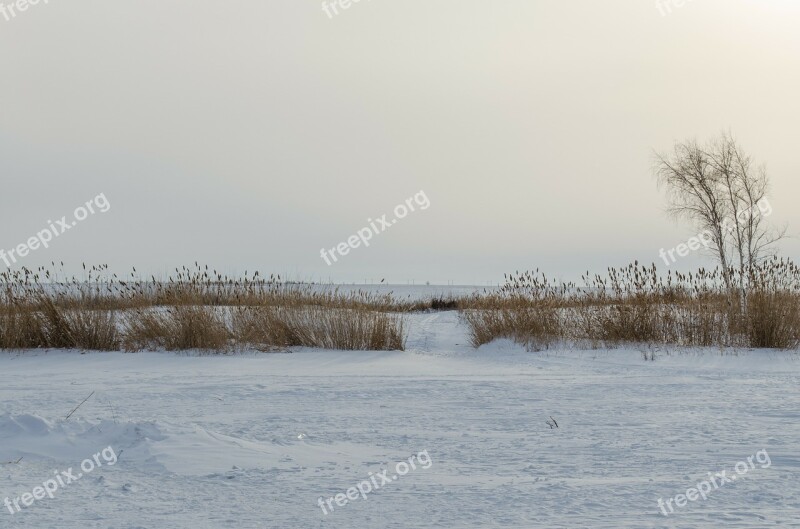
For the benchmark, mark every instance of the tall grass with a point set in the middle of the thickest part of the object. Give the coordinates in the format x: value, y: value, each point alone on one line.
x: 635, y: 304
x: 193, y: 309
x: 33, y: 315
x: 318, y: 326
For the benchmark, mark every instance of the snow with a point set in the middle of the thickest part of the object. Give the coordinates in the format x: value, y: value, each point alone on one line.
x: 254, y: 440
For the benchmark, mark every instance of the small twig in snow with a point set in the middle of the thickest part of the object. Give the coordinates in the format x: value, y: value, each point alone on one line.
x: 78, y: 406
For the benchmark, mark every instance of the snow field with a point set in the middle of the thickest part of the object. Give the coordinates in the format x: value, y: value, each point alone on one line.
x: 255, y: 440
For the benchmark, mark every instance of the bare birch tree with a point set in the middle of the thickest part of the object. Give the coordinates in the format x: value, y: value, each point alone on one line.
x: 719, y: 189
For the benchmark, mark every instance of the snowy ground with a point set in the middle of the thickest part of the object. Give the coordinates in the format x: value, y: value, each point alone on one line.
x: 252, y: 441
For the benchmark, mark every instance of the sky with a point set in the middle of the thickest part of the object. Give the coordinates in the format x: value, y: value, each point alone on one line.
x: 254, y: 134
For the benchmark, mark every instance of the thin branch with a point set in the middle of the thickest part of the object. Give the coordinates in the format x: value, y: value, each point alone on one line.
x: 78, y: 406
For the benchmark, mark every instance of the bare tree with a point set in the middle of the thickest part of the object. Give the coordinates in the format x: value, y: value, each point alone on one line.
x: 693, y: 189
x: 745, y: 186
x: 718, y: 188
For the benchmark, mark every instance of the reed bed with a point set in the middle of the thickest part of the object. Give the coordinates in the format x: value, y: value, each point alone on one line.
x: 200, y: 309
x: 636, y: 304
x: 193, y: 309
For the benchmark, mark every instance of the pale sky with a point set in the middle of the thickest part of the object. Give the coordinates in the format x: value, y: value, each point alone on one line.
x: 252, y: 134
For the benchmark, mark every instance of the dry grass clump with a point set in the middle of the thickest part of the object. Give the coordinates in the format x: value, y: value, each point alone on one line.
x: 176, y: 328
x: 772, y: 320
x: 32, y: 315
x: 52, y: 327
x: 535, y: 327
x: 89, y: 329
x: 771, y: 313
x: 637, y: 305
x: 317, y: 326
x: 20, y: 329
x: 527, y: 309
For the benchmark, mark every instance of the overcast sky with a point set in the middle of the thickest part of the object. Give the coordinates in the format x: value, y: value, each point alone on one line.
x: 252, y: 134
